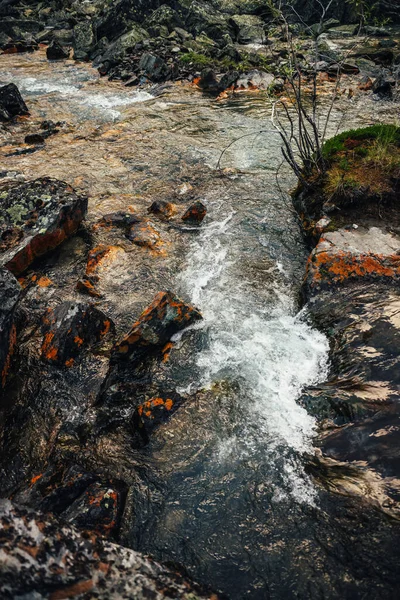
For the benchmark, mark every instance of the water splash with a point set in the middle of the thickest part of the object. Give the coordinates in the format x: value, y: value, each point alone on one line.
x: 73, y: 90
x: 265, y: 347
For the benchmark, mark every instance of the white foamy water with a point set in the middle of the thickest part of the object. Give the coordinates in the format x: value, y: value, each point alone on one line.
x: 266, y: 347
x: 105, y: 103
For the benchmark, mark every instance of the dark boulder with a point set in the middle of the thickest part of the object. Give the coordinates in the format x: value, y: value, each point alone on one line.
x: 9, y: 294
x: 56, y: 52
x: 166, y: 316
x: 36, y: 217
x: 86, y: 565
x: 11, y: 102
x: 70, y: 328
x: 34, y: 138
x: 383, y: 86
x: 195, y: 213
x: 208, y: 81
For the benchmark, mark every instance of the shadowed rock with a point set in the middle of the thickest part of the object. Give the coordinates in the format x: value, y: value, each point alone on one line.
x: 56, y: 52
x: 36, y: 217
x: 11, y: 102
x: 9, y: 294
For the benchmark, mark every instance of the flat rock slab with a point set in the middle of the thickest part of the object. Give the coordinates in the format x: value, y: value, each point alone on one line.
x: 41, y: 558
x: 346, y: 255
x: 35, y: 217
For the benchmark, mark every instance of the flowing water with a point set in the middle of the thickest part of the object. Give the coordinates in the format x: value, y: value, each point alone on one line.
x: 226, y: 490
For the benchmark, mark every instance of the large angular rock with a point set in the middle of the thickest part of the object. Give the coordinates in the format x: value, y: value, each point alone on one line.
x: 249, y: 29
x: 11, y: 102
x: 166, y: 316
x: 35, y: 217
x: 42, y: 558
x: 9, y: 294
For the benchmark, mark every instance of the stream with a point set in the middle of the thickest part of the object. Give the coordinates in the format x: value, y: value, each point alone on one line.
x: 226, y: 490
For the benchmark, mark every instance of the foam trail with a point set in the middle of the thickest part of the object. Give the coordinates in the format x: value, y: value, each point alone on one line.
x: 269, y: 350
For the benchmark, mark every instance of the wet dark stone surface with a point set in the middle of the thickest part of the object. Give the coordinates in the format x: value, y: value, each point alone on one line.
x: 9, y: 294
x: 11, y: 102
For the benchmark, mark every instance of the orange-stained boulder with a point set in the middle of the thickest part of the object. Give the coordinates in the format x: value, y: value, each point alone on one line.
x: 35, y: 217
x: 195, y: 213
x: 166, y: 316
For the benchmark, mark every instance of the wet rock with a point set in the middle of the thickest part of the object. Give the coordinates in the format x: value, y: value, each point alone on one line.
x: 56, y: 52
x: 15, y: 47
x: 34, y: 138
x: 35, y: 218
x: 9, y: 295
x: 11, y: 102
x: 97, y: 509
x: 98, y: 257
x: 166, y: 316
x: 162, y: 209
x: 195, y: 214
x: 154, y: 412
x: 144, y: 234
x: 70, y: 328
x: 86, y: 564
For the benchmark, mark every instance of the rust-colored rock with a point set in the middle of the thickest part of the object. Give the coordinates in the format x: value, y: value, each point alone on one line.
x: 70, y: 328
x: 35, y: 218
x: 165, y: 316
x: 351, y: 255
x: 98, y: 256
x: 162, y: 209
x: 195, y: 213
x: 9, y: 294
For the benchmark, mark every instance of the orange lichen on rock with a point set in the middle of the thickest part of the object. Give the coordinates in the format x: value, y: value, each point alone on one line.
x: 36, y: 478
x: 48, y: 350
x: 340, y: 266
x: 44, y: 282
x: 147, y: 408
x: 11, y: 347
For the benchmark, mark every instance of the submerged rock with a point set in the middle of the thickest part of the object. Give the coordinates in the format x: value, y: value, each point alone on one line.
x: 43, y: 558
x: 11, y: 102
x: 9, y: 294
x: 36, y: 217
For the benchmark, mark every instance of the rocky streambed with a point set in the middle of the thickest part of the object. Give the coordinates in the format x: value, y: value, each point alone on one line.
x: 161, y: 391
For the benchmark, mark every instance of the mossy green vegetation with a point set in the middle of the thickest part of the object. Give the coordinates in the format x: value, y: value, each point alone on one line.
x: 362, y: 162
